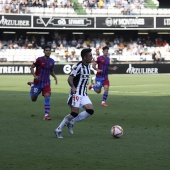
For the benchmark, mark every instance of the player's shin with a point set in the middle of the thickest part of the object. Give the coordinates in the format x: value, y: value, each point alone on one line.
x: 105, y: 95
x: 47, y: 105
x: 83, y: 115
x: 67, y: 119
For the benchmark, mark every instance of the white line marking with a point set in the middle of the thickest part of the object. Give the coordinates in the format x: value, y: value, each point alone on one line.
x: 142, y: 92
x: 141, y: 85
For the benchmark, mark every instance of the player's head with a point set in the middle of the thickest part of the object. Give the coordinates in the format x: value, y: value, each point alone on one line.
x: 46, y: 46
x: 105, y: 50
x: 86, y: 55
x: 47, y: 50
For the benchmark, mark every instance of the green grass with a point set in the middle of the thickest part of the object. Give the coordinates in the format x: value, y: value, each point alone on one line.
x: 139, y: 103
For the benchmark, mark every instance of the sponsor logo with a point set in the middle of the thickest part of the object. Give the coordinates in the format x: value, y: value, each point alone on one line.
x: 124, y: 22
x: 167, y: 21
x: 63, y: 21
x: 14, y: 70
x: 13, y: 22
x: 67, y: 68
x: 133, y: 70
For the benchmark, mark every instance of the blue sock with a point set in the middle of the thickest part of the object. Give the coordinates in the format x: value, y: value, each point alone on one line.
x: 94, y: 88
x: 47, y: 105
x: 105, y: 95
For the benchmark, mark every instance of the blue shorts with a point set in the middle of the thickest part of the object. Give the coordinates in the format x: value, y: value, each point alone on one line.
x: 99, y: 83
x: 37, y: 89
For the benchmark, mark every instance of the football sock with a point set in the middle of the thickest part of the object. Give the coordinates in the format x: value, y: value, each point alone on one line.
x: 105, y: 95
x: 31, y: 93
x: 81, y: 116
x: 47, y: 105
x: 94, y: 87
x: 65, y: 121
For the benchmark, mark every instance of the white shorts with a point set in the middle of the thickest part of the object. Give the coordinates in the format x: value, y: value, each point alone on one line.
x: 78, y: 101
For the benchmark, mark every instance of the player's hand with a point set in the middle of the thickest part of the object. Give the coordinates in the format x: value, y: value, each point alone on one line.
x: 56, y: 82
x: 36, y: 77
x: 114, y: 68
x: 99, y: 71
x: 73, y: 89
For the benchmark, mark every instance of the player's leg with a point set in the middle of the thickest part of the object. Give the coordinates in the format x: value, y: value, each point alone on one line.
x: 64, y: 122
x: 30, y: 83
x: 87, y: 105
x: 74, y: 103
x: 98, y: 85
x: 106, y: 90
x: 46, y: 92
x: 93, y: 79
x: 34, y: 92
x: 84, y: 114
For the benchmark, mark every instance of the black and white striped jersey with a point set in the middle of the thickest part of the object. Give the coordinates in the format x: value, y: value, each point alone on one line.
x: 81, y: 74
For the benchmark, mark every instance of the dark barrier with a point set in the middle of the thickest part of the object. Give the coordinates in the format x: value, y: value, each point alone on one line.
x: 125, y: 22
x: 66, y: 69
x: 142, y: 69
x: 15, y: 21
x: 162, y: 22
x: 60, y: 22
x: 31, y: 21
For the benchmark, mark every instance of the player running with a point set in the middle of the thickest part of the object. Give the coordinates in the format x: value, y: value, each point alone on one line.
x: 78, y: 98
x: 101, y: 65
x: 44, y: 67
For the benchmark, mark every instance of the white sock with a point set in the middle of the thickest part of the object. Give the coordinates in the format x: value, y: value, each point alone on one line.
x: 65, y: 121
x: 81, y: 116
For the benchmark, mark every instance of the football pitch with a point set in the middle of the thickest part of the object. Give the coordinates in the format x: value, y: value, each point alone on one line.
x: 138, y: 103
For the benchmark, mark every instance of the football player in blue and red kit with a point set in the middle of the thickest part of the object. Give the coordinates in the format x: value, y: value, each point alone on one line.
x: 41, y: 69
x: 101, y: 65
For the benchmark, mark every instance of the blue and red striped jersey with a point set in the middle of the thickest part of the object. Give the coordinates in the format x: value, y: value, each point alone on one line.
x: 43, y: 69
x: 103, y: 64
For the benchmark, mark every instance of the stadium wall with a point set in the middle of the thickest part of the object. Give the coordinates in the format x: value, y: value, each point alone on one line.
x: 66, y: 69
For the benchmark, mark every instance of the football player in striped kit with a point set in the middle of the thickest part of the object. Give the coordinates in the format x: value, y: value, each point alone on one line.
x: 44, y: 67
x: 78, y: 98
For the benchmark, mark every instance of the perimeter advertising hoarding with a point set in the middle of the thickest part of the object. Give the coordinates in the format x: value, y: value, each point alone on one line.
x: 60, y: 22
x: 15, y: 21
x: 162, y: 22
x: 45, y: 22
x: 124, y: 22
x: 66, y: 69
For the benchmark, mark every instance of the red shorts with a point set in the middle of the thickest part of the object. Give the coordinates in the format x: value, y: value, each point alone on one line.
x: 46, y: 89
x: 106, y: 82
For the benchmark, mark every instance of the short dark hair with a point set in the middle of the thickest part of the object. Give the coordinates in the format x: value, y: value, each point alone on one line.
x: 85, y: 51
x: 46, y: 46
x: 105, y: 47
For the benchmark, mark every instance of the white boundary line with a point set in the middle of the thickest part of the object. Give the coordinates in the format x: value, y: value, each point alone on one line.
x: 142, y: 85
x: 142, y: 92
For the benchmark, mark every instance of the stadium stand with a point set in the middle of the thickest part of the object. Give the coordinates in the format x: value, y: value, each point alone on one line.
x: 136, y: 51
x: 92, y: 7
x: 22, y: 55
x: 24, y: 49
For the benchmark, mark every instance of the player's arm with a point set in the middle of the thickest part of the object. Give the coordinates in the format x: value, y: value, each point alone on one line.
x: 53, y: 75
x: 32, y: 71
x: 94, y: 66
x: 113, y: 68
x: 71, y: 84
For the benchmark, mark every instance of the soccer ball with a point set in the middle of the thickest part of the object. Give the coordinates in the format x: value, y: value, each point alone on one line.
x: 116, y: 131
